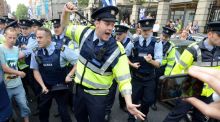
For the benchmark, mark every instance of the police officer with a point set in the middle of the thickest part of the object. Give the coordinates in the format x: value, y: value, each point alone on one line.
x: 122, y: 36
x: 35, y: 25
x: 26, y: 41
x: 169, y: 57
x: 48, y: 63
x: 100, y: 61
x: 147, y: 55
x: 8, y: 20
x: 60, y: 38
x: 206, y: 54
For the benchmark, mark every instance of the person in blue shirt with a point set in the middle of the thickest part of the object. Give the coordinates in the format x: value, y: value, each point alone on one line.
x: 48, y: 62
x: 147, y: 55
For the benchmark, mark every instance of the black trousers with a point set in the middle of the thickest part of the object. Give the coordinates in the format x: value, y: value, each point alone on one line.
x: 142, y: 93
x: 181, y: 109
x: 45, y: 103
x: 89, y: 108
x: 111, y: 98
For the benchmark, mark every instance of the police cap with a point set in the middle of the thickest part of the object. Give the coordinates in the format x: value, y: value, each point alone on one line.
x: 147, y: 24
x: 214, y: 26
x: 168, y: 31
x: 121, y: 28
x: 36, y: 23
x: 13, y: 24
x: 107, y: 13
x: 2, y: 20
x: 25, y: 23
x: 56, y: 22
x: 8, y: 20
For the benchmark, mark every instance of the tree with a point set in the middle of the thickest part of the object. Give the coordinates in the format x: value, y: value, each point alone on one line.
x: 83, y: 3
x: 21, y: 11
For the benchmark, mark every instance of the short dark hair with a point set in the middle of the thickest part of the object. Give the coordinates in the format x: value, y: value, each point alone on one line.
x: 47, y: 31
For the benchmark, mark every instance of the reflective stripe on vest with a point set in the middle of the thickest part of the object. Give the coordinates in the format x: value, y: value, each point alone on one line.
x: 97, y: 92
x: 199, y: 59
x: 207, y: 91
x: 199, y: 54
x: 96, y: 85
x: 183, y: 64
x: 170, y: 48
x: 123, y: 77
x: 170, y: 66
x: 84, y: 37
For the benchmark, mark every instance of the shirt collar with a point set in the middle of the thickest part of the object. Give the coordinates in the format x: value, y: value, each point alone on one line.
x: 96, y: 37
x: 61, y: 36
x: 207, y: 45
x: 50, y: 48
x: 124, y: 41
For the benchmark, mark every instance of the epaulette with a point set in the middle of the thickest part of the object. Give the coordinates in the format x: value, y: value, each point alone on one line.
x: 33, y: 36
x: 62, y: 48
x: 35, y: 49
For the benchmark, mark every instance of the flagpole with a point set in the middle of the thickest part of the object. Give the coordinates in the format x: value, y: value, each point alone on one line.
x: 51, y: 8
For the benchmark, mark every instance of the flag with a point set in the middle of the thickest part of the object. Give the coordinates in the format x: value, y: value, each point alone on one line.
x: 108, y: 3
x: 142, y: 14
x: 46, y: 6
x: 30, y: 13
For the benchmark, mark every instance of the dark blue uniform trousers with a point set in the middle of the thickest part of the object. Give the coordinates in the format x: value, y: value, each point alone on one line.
x: 111, y: 97
x: 182, y: 108
x: 87, y: 107
x: 143, y: 92
x: 46, y: 101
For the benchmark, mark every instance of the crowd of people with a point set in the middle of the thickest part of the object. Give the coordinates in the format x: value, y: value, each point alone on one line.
x: 82, y: 66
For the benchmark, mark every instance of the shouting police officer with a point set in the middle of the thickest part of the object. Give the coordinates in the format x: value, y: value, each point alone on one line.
x: 101, y: 60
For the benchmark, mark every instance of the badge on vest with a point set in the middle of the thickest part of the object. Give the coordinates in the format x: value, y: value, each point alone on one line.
x: 142, y: 54
x: 47, y: 65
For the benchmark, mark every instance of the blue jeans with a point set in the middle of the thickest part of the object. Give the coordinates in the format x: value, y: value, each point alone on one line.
x: 19, y: 94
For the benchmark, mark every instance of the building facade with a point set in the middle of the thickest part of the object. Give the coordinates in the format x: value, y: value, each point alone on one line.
x: 4, y: 8
x: 187, y: 11
x: 49, y: 9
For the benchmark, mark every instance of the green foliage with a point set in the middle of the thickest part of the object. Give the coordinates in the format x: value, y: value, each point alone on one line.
x: 83, y: 3
x: 21, y: 12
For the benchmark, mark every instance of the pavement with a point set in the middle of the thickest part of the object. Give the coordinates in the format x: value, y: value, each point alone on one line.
x: 117, y: 115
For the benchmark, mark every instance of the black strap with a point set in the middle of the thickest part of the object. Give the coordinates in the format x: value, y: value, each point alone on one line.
x: 82, y: 34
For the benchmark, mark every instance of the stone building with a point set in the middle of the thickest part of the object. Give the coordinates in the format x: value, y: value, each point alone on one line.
x: 49, y: 9
x: 202, y: 11
x: 4, y: 8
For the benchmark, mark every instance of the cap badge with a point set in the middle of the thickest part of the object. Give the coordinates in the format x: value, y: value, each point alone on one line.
x: 112, y: 12
x: 147, y: 23
x: 23, y: 22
